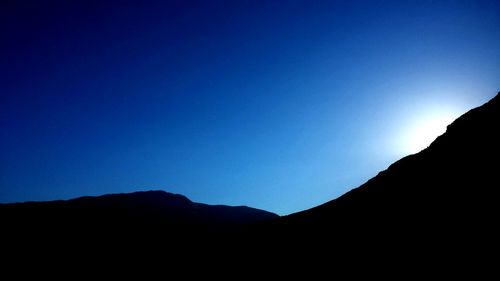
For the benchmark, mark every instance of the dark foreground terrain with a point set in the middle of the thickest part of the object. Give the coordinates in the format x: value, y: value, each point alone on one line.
x: 437, y: 205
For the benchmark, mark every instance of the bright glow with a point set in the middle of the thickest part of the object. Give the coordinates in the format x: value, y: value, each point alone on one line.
x: 426, y: 129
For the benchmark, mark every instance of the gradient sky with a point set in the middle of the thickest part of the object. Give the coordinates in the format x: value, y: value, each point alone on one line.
x: 279, y: 105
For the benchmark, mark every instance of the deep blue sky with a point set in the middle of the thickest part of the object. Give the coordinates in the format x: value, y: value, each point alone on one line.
x: 280, y: 105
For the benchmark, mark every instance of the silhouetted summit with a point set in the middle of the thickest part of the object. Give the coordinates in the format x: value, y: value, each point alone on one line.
x: 157, y: 209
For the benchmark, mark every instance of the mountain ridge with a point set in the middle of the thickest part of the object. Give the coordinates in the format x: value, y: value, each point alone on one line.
x: 428, y: 202
x: 156, y: 208
x: 447, y: 183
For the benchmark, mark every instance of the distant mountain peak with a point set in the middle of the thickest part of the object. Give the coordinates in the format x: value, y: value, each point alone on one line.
x: 159, y: 194
x: 154, y: 208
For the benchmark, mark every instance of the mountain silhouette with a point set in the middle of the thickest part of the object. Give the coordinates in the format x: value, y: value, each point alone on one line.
x: 451, y: 183
x: 147, y: 210
x: 439, y: 204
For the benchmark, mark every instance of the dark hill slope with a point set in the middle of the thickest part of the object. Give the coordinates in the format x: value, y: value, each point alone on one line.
x: 447, y: 190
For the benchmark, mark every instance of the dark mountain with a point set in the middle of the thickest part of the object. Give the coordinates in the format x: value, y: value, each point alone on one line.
x: 443, y: 195
x: 432, y: 212
x: 149, y: 210
x: 438, y: 205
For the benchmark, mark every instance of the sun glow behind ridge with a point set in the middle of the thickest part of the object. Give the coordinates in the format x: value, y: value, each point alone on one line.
x: 426, y: 129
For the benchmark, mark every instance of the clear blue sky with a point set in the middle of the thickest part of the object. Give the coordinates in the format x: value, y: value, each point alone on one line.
x: 280, y: 105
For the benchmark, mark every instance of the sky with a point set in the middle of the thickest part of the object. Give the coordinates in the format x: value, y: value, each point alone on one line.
x: 278, y: 105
